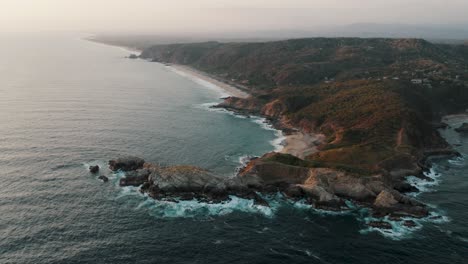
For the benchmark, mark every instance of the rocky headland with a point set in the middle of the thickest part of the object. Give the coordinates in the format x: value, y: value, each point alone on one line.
x: 376, y: 104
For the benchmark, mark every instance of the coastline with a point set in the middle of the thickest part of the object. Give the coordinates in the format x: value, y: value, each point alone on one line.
x: 298, y: 143
x: 196, y: 74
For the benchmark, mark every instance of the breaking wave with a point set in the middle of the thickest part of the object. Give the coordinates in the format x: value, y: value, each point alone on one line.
x: 277, y: 143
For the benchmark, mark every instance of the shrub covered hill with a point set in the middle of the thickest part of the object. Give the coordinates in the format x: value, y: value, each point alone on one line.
x: 377, y: 101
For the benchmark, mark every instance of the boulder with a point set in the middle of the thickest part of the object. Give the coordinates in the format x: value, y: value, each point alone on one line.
x: 385, y: 199
x: 126, y: 164
x: 405, y: 187
x: 103, y: 178
x: 293, y: 191
x: 135, y: 178
x: 94, y: 169
x: 463, y: 128
x: 184, y: 179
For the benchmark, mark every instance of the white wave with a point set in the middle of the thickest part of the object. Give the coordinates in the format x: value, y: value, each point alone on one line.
x: 194, y: 208
x: 277, y: 143
x: 424, y: 185
x: 458, y: 161
x: 209, y: 107
x: 398, y: 230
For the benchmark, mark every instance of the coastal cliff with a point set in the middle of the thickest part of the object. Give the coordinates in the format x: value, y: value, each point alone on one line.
x: 378, y: 102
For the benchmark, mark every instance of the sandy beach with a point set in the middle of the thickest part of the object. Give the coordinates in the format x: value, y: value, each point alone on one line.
x: 298, y: 144
x: 230, y: 89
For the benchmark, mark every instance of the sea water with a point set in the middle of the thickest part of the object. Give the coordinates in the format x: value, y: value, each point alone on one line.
x: 66, y: 103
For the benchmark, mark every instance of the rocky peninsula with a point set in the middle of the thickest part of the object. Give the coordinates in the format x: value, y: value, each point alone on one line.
x: 323, y: 188
x: 377, y: 104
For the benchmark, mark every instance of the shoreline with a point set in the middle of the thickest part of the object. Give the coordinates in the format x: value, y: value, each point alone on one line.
x: 196, y: 74
x: 298, y: 143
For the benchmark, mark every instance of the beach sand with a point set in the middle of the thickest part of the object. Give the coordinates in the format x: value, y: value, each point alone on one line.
x: 230, y: 89
x: 298, y: 144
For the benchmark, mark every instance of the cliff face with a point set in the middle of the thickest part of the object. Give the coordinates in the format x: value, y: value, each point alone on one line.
x: 374, y: 99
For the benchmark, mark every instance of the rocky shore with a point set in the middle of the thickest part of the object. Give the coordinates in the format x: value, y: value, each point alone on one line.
x: 322, y: 188
x: 353, y: 133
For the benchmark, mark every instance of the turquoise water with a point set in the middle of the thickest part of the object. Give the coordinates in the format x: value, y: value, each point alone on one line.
x: 66, y: 103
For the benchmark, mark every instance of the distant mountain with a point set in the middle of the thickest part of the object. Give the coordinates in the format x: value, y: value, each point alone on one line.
x: 449, y: 34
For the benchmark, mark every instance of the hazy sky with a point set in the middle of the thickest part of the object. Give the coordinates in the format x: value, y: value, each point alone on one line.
x: 220, y: 15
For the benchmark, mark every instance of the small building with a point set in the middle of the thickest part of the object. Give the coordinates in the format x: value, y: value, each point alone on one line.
x: 417, y: 81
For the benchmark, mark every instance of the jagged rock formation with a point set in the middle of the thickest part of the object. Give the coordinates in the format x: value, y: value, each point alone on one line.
x: 322, y: 187
x: 463, y: 128
x: 359, y: 93
x: 377, y: 101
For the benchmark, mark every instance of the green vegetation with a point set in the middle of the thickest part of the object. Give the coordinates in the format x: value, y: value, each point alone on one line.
x: 374, y: 99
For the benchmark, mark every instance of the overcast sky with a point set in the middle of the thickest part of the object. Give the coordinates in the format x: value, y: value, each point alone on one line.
x: 165, y: 16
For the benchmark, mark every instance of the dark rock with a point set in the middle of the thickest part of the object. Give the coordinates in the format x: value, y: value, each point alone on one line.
x: 405, y: 187
x: 260, y: 201
x: 463, y: 128
x: 380, y: 224
x: 126, y: 164
x: 331, y: 205
x: 409, y: 223
x: 217, y: 195
x: 439, y: 125
x: 135, y: 178
x: 94, y: 169
x: 145, y: 187
x: 172, y: 200
x: 293, y: 191
x: 394, y: 218
x: 103, y: 178
x: 186, y: 196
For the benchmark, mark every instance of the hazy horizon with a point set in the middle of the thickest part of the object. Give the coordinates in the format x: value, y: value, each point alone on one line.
x: 211, y: 16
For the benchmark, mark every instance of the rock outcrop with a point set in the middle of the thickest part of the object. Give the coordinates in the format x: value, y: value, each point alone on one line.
x: 94, y: 169
x: 126, y: 164
x: 103, y: 178
x: 324, y: 188
x: 463, y: 128
x: 328, y: 188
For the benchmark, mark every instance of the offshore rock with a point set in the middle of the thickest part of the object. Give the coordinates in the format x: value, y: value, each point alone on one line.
x: 94, y: 169
x: 135, y: 178
x: 126, y: 164
x: 103, y: 178
x: 463, y: 128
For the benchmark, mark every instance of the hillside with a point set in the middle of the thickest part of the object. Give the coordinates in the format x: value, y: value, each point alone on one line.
x: 375, y: 99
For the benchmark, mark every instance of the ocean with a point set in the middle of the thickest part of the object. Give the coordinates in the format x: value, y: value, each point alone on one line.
x: 67, y: 103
